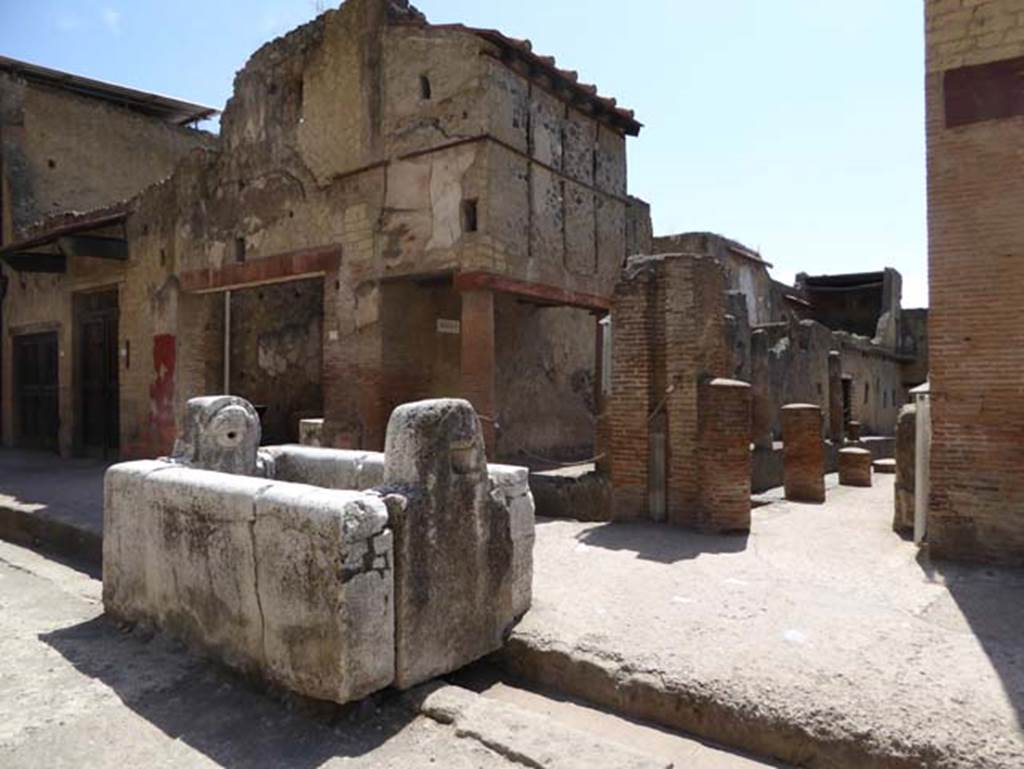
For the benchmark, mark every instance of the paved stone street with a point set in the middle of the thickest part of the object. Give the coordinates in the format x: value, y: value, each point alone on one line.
x: 822, y: 637
x: 77, y: 691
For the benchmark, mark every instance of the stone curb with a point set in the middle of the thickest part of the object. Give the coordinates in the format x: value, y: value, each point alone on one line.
x: 696, y: 709
x: 28, y: 529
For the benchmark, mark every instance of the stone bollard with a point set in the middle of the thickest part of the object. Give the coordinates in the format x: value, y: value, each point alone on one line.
x: 906, y: 438
x: 803, y: 457
x: 884, y: 466
x: 852, y: 431
x: 854, y: 467
x: 453, y: 546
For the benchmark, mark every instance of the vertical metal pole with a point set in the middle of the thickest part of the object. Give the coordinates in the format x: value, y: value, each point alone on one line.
x: 227, y: 342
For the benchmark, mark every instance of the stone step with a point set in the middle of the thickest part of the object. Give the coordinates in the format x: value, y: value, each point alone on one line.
x: 523, y: 736
x: 556, y: 731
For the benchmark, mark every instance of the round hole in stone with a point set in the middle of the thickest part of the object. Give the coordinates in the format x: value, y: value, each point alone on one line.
x: 232, y: 435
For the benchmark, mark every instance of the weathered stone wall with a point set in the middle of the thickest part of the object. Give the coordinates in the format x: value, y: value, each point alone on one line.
x: 745, y: 272
x: 914, y: 329
x: 61, y: 151
x: 876, y: 388
x: 545, y: 382
x: 976, y: 265
x: 791, y: 366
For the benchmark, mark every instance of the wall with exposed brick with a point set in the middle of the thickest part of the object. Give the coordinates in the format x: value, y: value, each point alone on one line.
x: 976, y: 267
x: 668, y: 336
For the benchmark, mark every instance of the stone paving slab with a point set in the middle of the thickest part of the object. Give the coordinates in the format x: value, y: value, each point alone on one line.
x: 822, y: 638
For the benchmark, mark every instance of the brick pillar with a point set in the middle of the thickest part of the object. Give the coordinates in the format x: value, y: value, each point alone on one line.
x: 803, y: 453
x: 760, y: 384
x: 724, y: 455
x: 835, y: 396
x: 601, y: 448
x: 630, y: 403
x: 854, y: 466
x: 478, y: 359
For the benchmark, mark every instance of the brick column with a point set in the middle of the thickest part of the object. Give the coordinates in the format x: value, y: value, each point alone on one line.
x: 724, y: 456
x: 854, y: 466
x: 803, y: 453
x: 478, y: 359
x: 835, y: 396
x: 630, y: 403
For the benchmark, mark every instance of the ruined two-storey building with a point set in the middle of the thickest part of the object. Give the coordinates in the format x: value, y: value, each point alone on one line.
x: 395, y: 210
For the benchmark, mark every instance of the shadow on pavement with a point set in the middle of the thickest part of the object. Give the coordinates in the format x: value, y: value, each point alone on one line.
x: 220, y: 714
x: 659, y: 542
x: 991, y: 599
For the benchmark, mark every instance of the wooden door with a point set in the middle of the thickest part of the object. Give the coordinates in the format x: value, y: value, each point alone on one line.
x: 98, y: 399
x: 35, y: 391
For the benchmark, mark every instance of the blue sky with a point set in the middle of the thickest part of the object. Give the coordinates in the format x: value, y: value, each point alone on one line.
x: 795, y: 126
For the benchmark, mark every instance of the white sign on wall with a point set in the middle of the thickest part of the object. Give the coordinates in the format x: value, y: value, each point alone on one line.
x: 447, y: 326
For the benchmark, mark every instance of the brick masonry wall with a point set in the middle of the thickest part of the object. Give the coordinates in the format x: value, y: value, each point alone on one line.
x: 631, y: 400
x: 976, y: 269
x: 668, y: 335
x: 695, y: 349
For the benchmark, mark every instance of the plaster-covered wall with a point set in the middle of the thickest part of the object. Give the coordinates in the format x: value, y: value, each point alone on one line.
x: 545, y: 382
x: 66, y: 152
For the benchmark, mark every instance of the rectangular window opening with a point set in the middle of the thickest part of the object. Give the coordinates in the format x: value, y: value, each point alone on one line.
x: 469, y: 215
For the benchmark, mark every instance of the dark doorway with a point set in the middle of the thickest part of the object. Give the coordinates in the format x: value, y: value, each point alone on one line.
x: 847, y: 401
x: 97, y: 366
x: 276, y: 359
x: 35, y: 391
